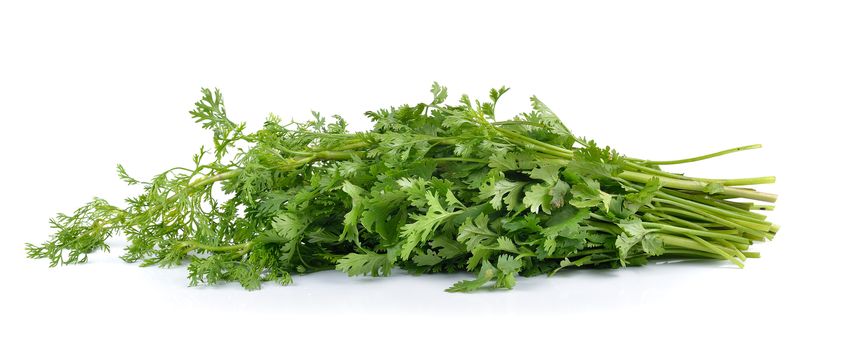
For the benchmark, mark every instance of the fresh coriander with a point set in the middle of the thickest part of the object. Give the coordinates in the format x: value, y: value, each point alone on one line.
x: 432, y: 188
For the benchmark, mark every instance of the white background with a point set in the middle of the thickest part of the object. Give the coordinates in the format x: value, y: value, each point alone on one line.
x: 85, y: 85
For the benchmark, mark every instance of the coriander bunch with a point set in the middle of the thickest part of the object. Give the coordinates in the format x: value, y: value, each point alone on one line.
x: 431, y: 188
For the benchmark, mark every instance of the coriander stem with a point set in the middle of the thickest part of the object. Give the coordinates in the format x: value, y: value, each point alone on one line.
x: 701, y: 233
x: 703, y: 157
x: 688, y: 243
x: 513, y: 135
x: 212, y: 179
x: 459, y: 159
x: 698, y: 186
x: 352, y: 146
x: 692, y: 185
x: 762, y: 180
x: 583, y: 253
x: 211, y: 248
x: 726, y: 182
x: 718, y: 249
x: 710, y: 203
x: 704, y: 216
x: 690, y: 252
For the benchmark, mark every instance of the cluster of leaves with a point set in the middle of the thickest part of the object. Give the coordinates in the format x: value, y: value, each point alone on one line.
x: 432, y: 188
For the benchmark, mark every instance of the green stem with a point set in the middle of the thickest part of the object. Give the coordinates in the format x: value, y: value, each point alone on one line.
x: 657, y: 216
x: 559, y: 151
x: 707, y: 156
x: 519, y: 122
x: 212, y: 179
x: 700, y: 233
x: 692, y: 244
x: 761, y: 180
x: 757, y: 235
x: 583, y: 253
x: 698, y: 186
x: 717, y: 249
x: 355, y: 145
x: 690, y: 253
x: 665, y: 181
x: 727, y: 220
x: 708, y: 203
x: 211, y: 248
x: 458, y: 159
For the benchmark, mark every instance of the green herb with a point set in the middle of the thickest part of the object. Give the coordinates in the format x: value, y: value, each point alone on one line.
x: 432, y: 188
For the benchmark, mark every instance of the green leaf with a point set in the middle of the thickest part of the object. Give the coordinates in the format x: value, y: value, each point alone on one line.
x: 508, y: 267
x: 439, y: 92
x: 429, y: 259
x: 653, y: 245
x: 508, y: 264
x: 546, y: 173
x: 210, y: 111
x: 449, y: 247
x: 476, y: 232
x: 506, y: 244
x: 502, y: 191
x: 383, y: 214
x: 416, y: 190
x: 565, y: 224
x: 350, y: 232
x: 558, y: 192
x: 714, y: 188
x: 588, y: 195
x: 285, y: 227
x: 486, y: 274
x: 633, y: 234
x: 529, y: 222
x: 508, y: 161
x: 125, y: 177
x: 424, y: 226
x: 538, y: 197
x: 369, y: 263
x: 495, y: 94
x: 591, y: 160
x: 629, y: 204
x: 544, y: 116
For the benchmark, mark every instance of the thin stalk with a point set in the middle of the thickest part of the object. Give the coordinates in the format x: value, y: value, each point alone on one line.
x: 708, y: 202
x: 726, y: 182
x: 558, y: 150
x: 583, y: 253
x: 708, y: 217
x: 690, y: 253
x: 690, y: 243
x: 699, y: 233
x: 698, y: 186
x: 717, y: 249
x: 212, y: 179
x: 760, y: 227
x: 703, y: 157
x: 737, y: 252
x: 761, y: 180
x: 660, y: 215
x: 706, y: 208
x: 237, y: 247
x: 458, y: 159
x: 643, y: 178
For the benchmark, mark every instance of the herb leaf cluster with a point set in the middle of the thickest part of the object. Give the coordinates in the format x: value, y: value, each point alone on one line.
x: 432, y: 188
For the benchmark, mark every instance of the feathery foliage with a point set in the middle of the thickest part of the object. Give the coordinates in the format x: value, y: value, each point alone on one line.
x: 432, y: 188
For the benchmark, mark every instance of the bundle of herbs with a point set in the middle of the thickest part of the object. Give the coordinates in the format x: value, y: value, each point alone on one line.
x: 431, y: 188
